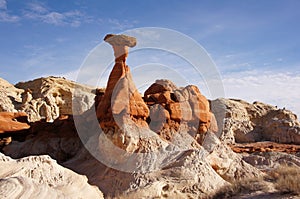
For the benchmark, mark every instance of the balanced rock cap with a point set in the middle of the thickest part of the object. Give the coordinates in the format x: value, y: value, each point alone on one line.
x: 120, y: 40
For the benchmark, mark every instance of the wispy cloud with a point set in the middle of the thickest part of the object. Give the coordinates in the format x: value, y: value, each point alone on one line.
x: 3, y: 4
x: 5, y: 16
x: 38, y: 7
x: 277, y: 88
x: 40, y: 12
x: 121, y: 24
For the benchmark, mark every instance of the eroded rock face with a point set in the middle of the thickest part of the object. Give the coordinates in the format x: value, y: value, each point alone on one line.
x: 42, y: 177
x: 12, y: 122
x: 246, y: 122
x: 179, y: 166
x: 229, y: 165
x: 58, y: 139
x: 164, y: 144
x: 121, y: 98
x: 188, y: 173
x: 172, y: 107
x: 256, y: 147
x: 9, y: 96
x: 189, y: 166
x: 124, y: 115
x: 267, y: 161
x: 45, y: 98
x: 121, y: 105
x: 48, y: 98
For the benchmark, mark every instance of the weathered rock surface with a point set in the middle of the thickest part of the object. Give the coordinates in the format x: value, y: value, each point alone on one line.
x: 58, y: 139
x: 269, y: 160
x: 172, y: 107
x: 12, y: 125
x: 9, y: 96
x: 179, y: 169
x: 179, y: 166
x: 246, y: 122
x: 121, y: 98
x: 122, y: 112
x: 45, y: 98
x: 12, y: 122
x: 41, y: 177
x: 162, y: 145
x: 265, y: 147
x: 48, y: 98
x: 229, y: 165
x: 180, y: 174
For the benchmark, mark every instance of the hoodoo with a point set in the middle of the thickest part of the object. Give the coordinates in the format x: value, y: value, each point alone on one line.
x: 121, y: 98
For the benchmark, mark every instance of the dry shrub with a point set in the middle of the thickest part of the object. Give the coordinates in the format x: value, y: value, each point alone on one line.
x: 287, y: 179
x: 239, y: 187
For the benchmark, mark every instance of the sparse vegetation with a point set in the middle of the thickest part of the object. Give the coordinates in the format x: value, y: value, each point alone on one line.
x: 240, y: 187
x: 287, y: 179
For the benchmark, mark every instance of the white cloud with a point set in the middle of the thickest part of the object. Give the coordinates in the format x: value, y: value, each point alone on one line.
x: 4, y: 14
x: 53, y: 18
x: 3, y: 4
x: 281, y: 89
x: 38, y: 7
x: 40, y: 12
x: 5, y: 17
x: 121, y: 25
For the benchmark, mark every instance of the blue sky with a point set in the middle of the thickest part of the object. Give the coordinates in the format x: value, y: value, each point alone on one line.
x: 255, y: 44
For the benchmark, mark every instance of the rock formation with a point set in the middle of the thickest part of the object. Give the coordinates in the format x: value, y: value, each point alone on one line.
x: 12, y: 125
x: 199, y: 170
x: 169, y: 143
x: 172, y: 107
x: 186, y: 168
x: 245, y: 122
x: 197, y: 177
x: 42, y: 177
x: 58, y: 139
x: 265, y: 147
x: 12, y: 122
x: 121, y: 98
x: 10, y: 96
x: 45, y: 98
x: 122, y: 112
x: 52, y: 97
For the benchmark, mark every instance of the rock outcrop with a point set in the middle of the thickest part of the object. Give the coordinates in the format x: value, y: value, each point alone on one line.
x: 41, y: 177
x: 121, y: 98
x: 12, y: 125
x: 58, y: 139
x: 182, y: 174
x: 154, y: 167
x: 122, y: 112
x: 267, y: 161
x: 46, y: 98
x: 179, y: 166
x: 12, y: 122
x: 256, y: 147
x: 10, y: 96
x: 197, y: 177
x: 172, y: 107
x: 169, y: 143
x: 229, y: 165
x: 245, y: 122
